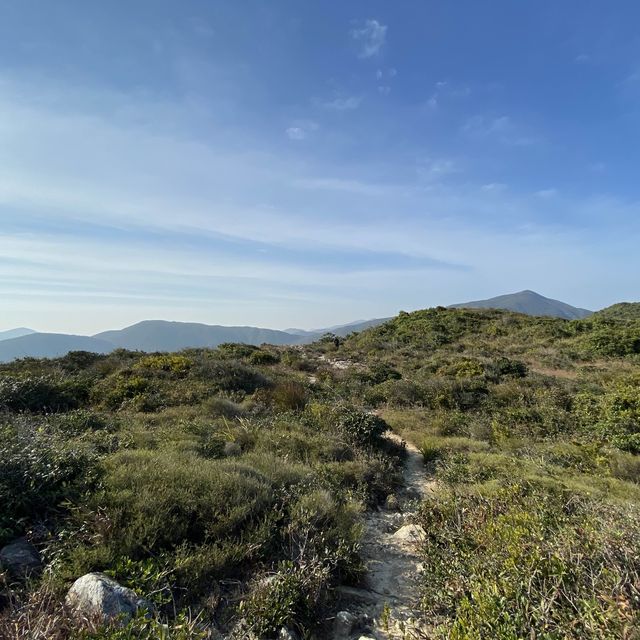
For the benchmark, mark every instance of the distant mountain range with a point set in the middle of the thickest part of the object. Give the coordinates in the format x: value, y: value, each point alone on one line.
x: 529, y: 303
x: 158, y: 335
x: 161, y: 335
x: 49, y: 345
x: 15, y: 333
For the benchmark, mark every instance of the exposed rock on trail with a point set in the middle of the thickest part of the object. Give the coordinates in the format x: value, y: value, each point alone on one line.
x: 390, y: 594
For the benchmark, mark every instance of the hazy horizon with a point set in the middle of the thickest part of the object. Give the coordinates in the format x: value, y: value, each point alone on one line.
x: 305, y: 165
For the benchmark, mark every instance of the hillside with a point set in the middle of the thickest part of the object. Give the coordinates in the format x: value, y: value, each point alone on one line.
x: 160, y: 335
x: 15, y: 333
x: 530, y: 303
x: 49, y: 345
x: 255, y: 491
x: 621, y: 311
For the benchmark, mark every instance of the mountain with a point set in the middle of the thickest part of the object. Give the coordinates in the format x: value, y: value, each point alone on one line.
x: 161, y: 335
x: 338, y: 330
x: 354, y: 327
x: 529, y: 303
x: 49, y: 345
x: 15, y: 333
x: 621, y: 311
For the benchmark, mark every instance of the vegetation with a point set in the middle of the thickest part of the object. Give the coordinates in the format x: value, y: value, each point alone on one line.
x: 229, y: 485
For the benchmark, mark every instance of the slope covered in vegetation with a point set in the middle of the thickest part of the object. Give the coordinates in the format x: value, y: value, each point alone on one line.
x: 229, y: 486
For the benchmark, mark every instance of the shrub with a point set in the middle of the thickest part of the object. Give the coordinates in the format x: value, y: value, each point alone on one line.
x: 291, y: 595
x: 360, y: 428
x: 160, y: 499
x: 225, y: 375
x: 38, y: 472
x: 529, y: 561
x: 264, y: 358
x: 288, y: 396
x: 36, y: 394
x: 169, y: 363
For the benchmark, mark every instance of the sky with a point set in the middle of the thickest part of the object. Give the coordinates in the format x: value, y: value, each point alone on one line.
x: 303, y: 164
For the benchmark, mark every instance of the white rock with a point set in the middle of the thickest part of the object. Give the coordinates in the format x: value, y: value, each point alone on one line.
x: 98, y: 598
x: 410, y: 533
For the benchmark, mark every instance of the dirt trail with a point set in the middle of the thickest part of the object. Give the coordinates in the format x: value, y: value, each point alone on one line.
x: 390, y: 596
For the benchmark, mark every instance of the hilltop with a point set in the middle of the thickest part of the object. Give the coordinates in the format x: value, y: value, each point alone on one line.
x: 529, y: 303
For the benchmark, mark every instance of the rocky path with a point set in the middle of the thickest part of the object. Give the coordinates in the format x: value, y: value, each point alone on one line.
x: 386, y: 607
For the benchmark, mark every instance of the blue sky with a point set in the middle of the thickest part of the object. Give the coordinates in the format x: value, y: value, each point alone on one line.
x: 294, y: 163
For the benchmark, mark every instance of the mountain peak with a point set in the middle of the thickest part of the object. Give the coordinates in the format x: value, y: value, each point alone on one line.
x: 530, y: 303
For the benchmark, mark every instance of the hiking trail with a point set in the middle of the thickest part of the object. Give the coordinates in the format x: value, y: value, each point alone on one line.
x: 389, y: 598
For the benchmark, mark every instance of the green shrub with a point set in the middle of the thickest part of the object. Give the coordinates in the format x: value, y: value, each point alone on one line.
x: 37, y: 394
x: 529, y: 561
x: 264, y: 358
x: 293, y: 594
x: 288, y: 396
x: 38, y: 472
x: 159, y: 499
x: 360, y: 428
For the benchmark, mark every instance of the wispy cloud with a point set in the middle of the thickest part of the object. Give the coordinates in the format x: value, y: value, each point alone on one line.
x: 500, y: 128
x: 444, y: 90
x: 434, y: 170
x: 370, y: 37
x: 494, y: 187
x: 301, y: 129
x: 340, y: 103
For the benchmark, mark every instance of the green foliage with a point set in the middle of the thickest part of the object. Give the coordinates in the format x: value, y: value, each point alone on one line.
x: 293, y: 593
x: 613, y: 416
x: 38, y: 473
x: 360, y: 428
x: 158, y: 500
x: 38, y: 394
x: 169, y: 363
x: 530, y: 561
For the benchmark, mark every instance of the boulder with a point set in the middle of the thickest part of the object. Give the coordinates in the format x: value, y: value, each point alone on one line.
x: 410, y: 533
x: 97, y: 598
x: 343, y: 625
x: 20, y: 559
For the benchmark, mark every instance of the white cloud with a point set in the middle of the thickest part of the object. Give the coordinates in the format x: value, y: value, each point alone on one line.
x: 296, y: 133
x: 384, y: 90
x: 582, y: 58
x: 370, y: 36
x: 301, y: 130
x: 494, y: 187
x: 547, y: 193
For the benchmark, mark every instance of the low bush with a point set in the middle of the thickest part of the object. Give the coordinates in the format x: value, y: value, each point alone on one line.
x: 530, y: 561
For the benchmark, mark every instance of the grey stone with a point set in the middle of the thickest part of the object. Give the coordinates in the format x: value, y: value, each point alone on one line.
x: 288, y: 634
x: 343, y: 625
x: 97, y: 598
x: 20, y: 558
